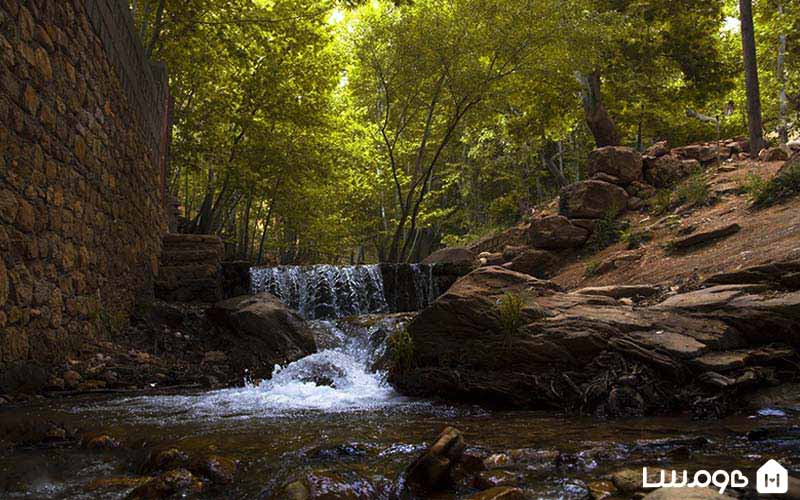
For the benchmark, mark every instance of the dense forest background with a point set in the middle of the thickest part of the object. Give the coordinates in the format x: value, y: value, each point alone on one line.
x: 355, y: 131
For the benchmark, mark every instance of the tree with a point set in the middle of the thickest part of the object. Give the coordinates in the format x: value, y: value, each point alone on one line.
x: 421, y: 70
x: 751, y: 77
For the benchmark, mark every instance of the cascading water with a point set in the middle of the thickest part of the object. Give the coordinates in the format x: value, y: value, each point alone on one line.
x: 327, y: 292
x: 350, y: 310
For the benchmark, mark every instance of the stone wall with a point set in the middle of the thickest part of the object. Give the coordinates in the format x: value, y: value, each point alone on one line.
x: 83, y: 122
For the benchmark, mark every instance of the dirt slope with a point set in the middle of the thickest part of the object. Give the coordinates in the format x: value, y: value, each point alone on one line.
x: 766, y: 235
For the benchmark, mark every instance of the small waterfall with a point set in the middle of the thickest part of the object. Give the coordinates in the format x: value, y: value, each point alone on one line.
x: 327, y: 292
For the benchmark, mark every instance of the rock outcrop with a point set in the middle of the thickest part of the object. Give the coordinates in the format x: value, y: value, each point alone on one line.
x: 263, y: 329
x: 594, y: 353
x: 623, y: 163
x: 537, y: 263
x: 592, y: 200
x: 556, y: 232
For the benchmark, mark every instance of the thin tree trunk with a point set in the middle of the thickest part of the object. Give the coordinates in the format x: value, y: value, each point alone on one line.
x: 754, y: 124
x: 156, y: 29
x: 783, y: 131
x: 599, y: 121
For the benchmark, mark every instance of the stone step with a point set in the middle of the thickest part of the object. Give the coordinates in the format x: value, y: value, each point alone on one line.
x: 187, y: 257
x: 191, y: 241
x: 181, y: 274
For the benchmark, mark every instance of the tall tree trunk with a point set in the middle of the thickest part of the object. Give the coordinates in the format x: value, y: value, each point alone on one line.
x: 783, y: 131
x: 599, y: 121
x: 754, y: 124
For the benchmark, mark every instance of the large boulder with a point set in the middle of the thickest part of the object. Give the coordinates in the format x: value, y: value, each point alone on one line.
x: 623, y: 163
x: 592, y: 199
x: 781, y: 153
x: 667, y: 170
x: 453, y: 260
x: 556, y: 232
x: 537, y: 263
x: 703, y: 153
x: 264, y: 329
x: 507, y: 337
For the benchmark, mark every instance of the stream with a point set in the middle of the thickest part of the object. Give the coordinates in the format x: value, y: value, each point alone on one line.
x: 331, y: 419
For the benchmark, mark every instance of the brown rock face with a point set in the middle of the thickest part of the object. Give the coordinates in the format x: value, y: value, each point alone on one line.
x: 623, y: 163
x: 432, y: 470
x: 569, y: 341
x: 452, y: 255
x: 701, y: 152
x: 556, y: 232
x: 536, y: 263
x: 658, y: 149
x: 592, y: 200
x: 667, y: 170
x: 775, y: 154
x: 265, y: 326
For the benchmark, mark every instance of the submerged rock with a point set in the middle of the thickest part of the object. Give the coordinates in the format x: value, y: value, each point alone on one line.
x: 499, y: 493
x: 219, y: 470
x: 171, y: 483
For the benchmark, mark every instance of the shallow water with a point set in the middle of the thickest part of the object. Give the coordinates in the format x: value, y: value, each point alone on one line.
x: 357, y: 434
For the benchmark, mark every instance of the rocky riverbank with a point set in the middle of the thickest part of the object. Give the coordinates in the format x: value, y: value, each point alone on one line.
x: 502, y: 337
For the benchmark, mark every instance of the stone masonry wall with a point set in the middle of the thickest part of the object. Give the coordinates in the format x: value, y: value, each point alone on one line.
x: 82, y: 151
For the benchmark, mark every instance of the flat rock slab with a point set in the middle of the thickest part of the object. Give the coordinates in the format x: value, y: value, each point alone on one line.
x: 705, y: 237
x: 784, y: 274
x: 710, y: 298
x: 620, y: 292
x: 674, y: 344
x: 722, y: 361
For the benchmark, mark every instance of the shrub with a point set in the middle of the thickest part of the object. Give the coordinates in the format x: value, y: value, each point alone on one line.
x: 634, y: 239
x: 694, y: 191
x: 509, y: 310
x: 608, y: 230
x: 591, y: 268
x: 401, y: 349
x: 661, y: 202
x: 763, y: 193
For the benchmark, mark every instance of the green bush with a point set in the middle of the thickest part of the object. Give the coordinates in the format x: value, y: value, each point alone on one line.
x: 693, y: 191
x: 591, y: 268
x: 661, y: 202
x: 764, y: 193
x: 634, y: 239
x: 401, y: 349
x: 509, y: 310
x: 607, y: 231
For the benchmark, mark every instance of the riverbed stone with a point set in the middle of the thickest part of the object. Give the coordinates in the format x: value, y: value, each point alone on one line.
x: 174, y: 482
x: 499, y: 493
x: 433, y: 469
x: 217, y: 469
x: 264, y: 326
x: 686, y: 494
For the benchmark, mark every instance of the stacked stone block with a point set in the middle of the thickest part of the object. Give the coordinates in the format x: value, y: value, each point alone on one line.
x: 81, y: 214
